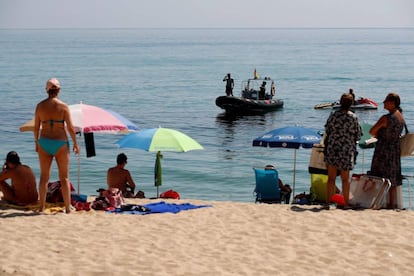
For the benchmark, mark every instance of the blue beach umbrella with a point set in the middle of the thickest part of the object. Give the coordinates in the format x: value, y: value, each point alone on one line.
x: 292, y: 137
x: 157, y: 140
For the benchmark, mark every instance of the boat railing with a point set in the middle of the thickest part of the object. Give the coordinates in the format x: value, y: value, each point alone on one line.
x: 250, y: 94
x: 250, y: 88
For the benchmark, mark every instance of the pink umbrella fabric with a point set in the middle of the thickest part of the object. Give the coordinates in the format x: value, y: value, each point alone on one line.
x: 89, y: 118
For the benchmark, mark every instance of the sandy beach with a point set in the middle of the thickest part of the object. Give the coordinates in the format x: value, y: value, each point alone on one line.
x: 228, y: 238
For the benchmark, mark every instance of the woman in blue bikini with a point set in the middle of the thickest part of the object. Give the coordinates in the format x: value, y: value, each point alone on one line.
x: 52, y: 122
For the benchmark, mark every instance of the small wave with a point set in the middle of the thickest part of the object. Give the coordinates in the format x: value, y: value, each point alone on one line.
x: 339, y: 78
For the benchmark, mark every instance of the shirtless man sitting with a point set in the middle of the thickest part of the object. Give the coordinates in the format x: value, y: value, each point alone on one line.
x: 118, y: 177
x: 22, y: 190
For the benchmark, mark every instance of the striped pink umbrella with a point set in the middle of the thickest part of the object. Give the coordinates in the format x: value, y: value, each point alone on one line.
x: 90, y: 118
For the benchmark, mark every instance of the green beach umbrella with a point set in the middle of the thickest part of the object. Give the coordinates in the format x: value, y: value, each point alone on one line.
x: 157, y: 140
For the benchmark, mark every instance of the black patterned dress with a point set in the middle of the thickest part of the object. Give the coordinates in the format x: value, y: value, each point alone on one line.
x: 342, y: 133
x: 386, y: 161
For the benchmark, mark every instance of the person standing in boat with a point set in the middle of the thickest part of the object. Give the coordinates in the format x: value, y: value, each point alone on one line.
x: 351, y: 91
x: 229, y: 84
x: 262, y: 91
x: 272, y: 92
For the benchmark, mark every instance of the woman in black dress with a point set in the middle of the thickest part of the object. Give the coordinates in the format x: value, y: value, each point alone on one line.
x: 386, y: 161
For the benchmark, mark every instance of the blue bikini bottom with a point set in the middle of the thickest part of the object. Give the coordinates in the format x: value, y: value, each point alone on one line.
x: 52, y: 146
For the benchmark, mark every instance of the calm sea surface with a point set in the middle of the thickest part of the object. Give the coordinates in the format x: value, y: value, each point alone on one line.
x: 171, y: 77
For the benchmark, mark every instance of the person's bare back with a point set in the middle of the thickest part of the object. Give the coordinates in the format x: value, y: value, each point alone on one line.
x: 23, y: 188
x: 118, y: 178
x: 52, y: 114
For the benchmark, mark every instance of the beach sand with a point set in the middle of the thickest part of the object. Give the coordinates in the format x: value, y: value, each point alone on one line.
x: 229, y: 238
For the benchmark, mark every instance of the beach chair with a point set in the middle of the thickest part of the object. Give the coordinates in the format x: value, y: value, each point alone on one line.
x: 367, y: 191
x: 267, y: 187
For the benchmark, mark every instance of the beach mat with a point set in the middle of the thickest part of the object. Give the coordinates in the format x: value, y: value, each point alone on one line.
x: 157, y: 208
x: 50, y: 208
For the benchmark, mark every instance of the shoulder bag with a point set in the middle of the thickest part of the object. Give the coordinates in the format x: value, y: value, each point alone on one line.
x: 407, y: 143
x: 317, y: 163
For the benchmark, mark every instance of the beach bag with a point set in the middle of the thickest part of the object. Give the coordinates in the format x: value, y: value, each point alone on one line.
x: 170, y: 194
x: 317, y: 163
x: 54, y: 192
x: 100, y: 203
x: 318, y: 187
x: 407, y: 143
x: 107, y: 199
x: 114, y: 197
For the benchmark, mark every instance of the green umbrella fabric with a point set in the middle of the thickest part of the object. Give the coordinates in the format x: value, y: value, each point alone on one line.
x: 158, y: 170
x: 159, y: 139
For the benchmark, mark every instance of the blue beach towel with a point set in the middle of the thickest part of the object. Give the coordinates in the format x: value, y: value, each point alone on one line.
x: 160, y: 207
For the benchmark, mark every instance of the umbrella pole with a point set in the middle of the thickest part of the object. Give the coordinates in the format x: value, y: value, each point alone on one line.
x: 79, y: 165
x: 78, y: 174
x: 158, y: 172
x: 363, y: 160
x: 294, y: 173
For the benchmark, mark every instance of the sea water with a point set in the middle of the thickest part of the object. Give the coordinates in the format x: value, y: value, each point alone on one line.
x: 171, y: 78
